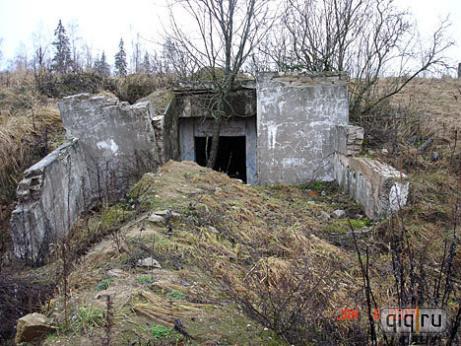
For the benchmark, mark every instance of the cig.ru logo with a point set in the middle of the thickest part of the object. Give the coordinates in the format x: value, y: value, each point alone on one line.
x: 413, y: 321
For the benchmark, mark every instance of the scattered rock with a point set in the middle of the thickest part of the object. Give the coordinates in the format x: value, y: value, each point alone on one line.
x: 213, y: 229
x: 435, y: 156
x: 116, y: 272
x: 104, y: 293
x: 324, y: 216
x: 32, y: 328
x: 149, y: 262
x: 156, y: 218
x: 338, y: 213
x: 385, y: 151
x: 166, y: 212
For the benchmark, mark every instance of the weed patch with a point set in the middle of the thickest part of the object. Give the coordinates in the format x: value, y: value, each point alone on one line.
x: 103, y: 284
x: 87, y: 318
x: 176, y: 295
x: 145, y: 280
x: 160, y: 332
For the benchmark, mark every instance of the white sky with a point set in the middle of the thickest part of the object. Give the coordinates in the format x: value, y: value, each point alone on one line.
x: 101, y: 23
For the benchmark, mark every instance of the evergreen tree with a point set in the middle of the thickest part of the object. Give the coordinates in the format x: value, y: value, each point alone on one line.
x: 101, y: 66
x: 62, y: 61
x: 120, y: 61
x: 146, y: 67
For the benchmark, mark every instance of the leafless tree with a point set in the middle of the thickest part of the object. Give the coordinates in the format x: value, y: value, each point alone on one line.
x: 41, y: 45
x: 75, y: 40
x: 88, y: 62
x: 368, y: 39
x: 21, y: 60
x: 176, y: 58
x: 136, y: 54
x: 227, y: 33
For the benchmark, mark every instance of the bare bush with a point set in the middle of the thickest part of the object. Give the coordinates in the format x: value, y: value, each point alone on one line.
x: 369, y: 39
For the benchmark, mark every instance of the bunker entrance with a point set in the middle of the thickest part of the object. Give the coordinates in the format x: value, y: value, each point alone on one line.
x: 231, y: 155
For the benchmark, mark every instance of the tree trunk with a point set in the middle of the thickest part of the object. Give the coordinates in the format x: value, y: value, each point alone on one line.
x: 215, y: 143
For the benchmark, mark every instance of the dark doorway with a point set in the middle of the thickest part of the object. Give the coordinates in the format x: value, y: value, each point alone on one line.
x: 231, y: 155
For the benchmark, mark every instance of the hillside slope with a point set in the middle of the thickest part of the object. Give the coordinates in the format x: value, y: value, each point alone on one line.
x: 224, y: 251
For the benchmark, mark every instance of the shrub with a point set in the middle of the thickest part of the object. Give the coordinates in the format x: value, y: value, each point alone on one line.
x: 137, y: 86
x: 60, y: 85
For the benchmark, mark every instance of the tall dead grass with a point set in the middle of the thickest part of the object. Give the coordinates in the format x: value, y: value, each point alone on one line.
x: 23, y: 139
x: 436, y: 101
x: 30, y: 127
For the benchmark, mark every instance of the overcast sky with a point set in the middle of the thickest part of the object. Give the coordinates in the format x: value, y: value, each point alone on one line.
x: 101, y: 23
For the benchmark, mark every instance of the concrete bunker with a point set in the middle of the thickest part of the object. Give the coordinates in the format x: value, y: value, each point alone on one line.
x: 285, y: 122
x: 294, y: 128
x: 283, y: 129
x: 189, y: 128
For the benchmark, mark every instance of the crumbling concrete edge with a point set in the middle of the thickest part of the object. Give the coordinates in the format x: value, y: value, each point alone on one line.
x: 379, y: 188
x: 116, y: 145
x: 36, y: 222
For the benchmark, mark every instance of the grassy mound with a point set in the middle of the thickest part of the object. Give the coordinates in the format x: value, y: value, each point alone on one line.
x: 239, y: 265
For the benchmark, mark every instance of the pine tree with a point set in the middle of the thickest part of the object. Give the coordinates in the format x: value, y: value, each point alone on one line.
x: 101, y: 66
x: 146, y: 67
x: 120, y: 61
x: 62, y: 61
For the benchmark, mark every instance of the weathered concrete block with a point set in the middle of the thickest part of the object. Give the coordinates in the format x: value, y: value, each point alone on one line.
x: 118, y: 139
x: 347, y: 139
x: 51, y: 196
x: 157, y: 123
x: 296, y: 115
x: 113, y: 145
x: 378, y: 187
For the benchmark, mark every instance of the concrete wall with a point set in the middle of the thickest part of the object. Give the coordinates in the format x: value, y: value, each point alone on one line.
x: 199, y: 127
x: 296, y: 114
x: 378, y: 187
x: 50, y: 198
x: 113, y: 146
x: 118, y: 140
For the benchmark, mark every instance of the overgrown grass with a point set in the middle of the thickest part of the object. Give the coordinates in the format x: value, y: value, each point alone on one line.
x: 145, y: 280
x: 343, y: 226
x: 176, y: 295
x: 161, y: 332
x: 87, y: 318
x: 104, y: 284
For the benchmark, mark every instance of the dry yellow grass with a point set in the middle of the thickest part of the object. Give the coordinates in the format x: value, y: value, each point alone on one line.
x: 19, y: 136
x: 230, y: 238
x: 27, y: 123
x: 436, y: 101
